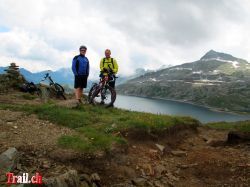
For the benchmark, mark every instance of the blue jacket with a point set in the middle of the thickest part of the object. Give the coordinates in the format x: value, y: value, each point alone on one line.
x: 80, y: 65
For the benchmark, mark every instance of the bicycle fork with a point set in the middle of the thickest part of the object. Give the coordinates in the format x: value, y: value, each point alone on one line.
x: 103, y: 94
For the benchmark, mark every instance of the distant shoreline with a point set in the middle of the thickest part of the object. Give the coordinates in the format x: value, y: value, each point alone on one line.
x: 195, y: 104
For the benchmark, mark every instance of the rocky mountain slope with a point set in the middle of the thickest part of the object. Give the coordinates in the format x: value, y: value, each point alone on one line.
x: 217, y: 80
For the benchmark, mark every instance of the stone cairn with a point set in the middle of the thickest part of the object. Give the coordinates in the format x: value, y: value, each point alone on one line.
x: 12, y: 79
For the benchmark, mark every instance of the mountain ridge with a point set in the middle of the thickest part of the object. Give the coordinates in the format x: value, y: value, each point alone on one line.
x: 216, y: 80
x: 214, y: 54
x: 65, y: 76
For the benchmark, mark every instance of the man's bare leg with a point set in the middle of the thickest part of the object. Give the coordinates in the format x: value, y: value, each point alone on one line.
x: 78, y: 94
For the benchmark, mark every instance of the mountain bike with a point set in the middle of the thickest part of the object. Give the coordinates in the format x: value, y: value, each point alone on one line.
x: 102, y: 93
x: 54, y: 88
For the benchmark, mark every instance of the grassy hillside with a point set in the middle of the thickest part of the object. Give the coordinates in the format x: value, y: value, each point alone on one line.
x: 243, y: 126
x: 99, y: 128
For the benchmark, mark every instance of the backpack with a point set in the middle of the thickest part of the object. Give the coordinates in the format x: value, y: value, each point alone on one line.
x: 103, y: 61
x: 28, y: 87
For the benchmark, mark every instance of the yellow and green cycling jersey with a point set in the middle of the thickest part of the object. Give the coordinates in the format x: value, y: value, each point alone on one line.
x: 109, y: 63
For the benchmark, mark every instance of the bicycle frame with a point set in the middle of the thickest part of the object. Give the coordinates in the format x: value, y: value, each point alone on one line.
x: 47, y: 76
x: 106, y: 79
x: 54, y: 87
x: 103, y: 82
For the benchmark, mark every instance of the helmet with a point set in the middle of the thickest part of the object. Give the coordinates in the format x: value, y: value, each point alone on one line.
x: 82, y: 47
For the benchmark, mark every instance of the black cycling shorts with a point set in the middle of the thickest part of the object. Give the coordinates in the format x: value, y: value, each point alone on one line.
x: 81, y: 81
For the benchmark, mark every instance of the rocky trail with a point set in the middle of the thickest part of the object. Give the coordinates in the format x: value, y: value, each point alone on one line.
x: 183, y: 157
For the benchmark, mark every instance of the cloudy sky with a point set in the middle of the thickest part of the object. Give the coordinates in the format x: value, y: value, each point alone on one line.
x: 46, y: 34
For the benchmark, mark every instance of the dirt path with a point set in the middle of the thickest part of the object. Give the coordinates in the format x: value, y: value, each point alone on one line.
x: 195, y: 158
x: 34, y: 139
x: 19, y: 130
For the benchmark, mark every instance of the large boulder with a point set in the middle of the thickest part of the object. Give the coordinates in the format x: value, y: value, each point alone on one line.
x: 237, y: 137
x: 8, y: 160
x: 69, y: 179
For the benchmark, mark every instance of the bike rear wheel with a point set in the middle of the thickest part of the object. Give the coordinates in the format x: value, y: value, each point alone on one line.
x: 59, y: 91
x: 39, y: 92
x: 105, y: 95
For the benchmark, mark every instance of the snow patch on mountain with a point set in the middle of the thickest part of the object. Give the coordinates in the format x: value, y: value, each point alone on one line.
x: 234, y: 63
x: 197, y: 72
x: 216, y: 71
x: 153, y: 79
x: 181, y: 69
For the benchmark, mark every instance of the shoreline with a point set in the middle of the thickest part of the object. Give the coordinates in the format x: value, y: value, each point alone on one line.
x: 191, y: 103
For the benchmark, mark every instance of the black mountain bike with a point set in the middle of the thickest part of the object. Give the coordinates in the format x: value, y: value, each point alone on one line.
x: 54, y: 88
x: 102, y: 93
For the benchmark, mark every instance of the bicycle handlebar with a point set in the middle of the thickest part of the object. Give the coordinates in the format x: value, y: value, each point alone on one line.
x: 46, y: 75
x: 105, y: 70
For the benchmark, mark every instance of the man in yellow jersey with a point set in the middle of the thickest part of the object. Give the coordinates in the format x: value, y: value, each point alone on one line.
x: 108, y: 63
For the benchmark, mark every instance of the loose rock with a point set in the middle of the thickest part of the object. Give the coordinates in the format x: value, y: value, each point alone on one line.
x: 160, y: 169
x: 236, y: 137
x: 158, y: 184
x: 139, y: 182
x: 9, y: 160
x: 69, y: 179
x: 179, y: 153
x: 160, y: 147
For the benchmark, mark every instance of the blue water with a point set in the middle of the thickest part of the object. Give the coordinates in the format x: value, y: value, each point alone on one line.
x: 158, y: 106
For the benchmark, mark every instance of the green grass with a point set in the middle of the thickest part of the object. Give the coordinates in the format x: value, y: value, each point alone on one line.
x: 28, y: 96
x: 97, y: 126
x: 243, y: 126
x: 90, y: 140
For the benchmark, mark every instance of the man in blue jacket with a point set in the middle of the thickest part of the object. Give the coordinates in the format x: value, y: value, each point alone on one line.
x: 80, y: 68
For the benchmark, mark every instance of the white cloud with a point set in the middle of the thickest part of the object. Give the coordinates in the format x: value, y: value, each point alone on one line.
x: 47, y: 33
x: 30, y: 65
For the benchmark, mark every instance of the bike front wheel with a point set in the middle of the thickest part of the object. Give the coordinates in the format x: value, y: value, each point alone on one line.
x: 91, y: 91
x: 105, y: 96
